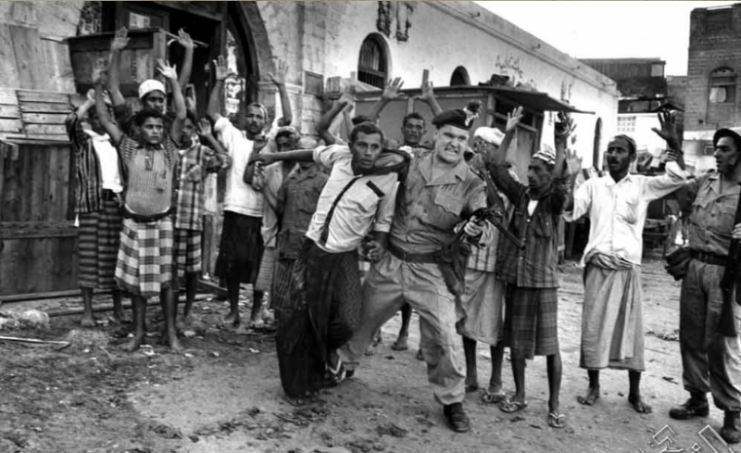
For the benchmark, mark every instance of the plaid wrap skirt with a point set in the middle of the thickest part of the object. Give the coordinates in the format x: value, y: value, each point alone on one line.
x: 145, y: 262
x: 531, y: 321
x: 188, y: 250
x: 98, y: 243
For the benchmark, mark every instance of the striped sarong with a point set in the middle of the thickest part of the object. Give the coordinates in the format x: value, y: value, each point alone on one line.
x: 612, y: 317
x: 188, y: 250
x: 99, y: 236
x: 531, y: 321
x: 282, y: 285
x: 267, y: 267
x: 144, y: 265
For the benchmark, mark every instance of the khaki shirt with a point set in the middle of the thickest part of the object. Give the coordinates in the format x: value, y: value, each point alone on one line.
x: 428, y: 211
x: 713, y: 213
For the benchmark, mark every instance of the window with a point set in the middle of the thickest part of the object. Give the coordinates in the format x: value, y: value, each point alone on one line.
x: 626, y: 124
x: 460, y: 77
x: 722, y: 86
x: 373, y: 65
x: 657, y: 70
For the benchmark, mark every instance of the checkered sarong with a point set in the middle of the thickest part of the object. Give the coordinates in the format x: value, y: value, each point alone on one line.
x: 144, y: 264
x: 99, y: 235
x: 282, y: 283
x: 531, y: 321
x: 188, y: 250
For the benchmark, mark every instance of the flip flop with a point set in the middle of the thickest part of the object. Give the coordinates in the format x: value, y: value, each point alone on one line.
x: 510, y: 406
x: 556, y: 420
x: 493, y: 397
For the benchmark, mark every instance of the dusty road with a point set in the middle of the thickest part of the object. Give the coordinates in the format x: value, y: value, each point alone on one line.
x: 223, y: 395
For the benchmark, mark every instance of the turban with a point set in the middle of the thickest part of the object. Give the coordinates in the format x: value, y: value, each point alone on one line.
x: 546, y: 154
x: 490, y: 135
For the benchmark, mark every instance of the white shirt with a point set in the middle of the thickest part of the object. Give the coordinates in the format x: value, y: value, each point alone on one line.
x: 358, y: 208
x: 108, y: 157
x: 617, y: 211
x: 240, y: 197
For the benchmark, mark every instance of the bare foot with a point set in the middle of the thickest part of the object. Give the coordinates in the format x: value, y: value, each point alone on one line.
x: 371, y: 350
x: 591, y: 398
x: 134, y: 344
x: 639, y: 405
x: 176, y: 345
x: 400, y: 344
x: 419, y: 355
x: 232, y: 319
x: 87, y: 321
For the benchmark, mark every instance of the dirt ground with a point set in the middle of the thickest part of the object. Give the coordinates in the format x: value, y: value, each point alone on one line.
x: 223, y: 395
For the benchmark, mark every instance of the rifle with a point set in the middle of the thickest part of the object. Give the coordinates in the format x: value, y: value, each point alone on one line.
x: 495, y: 212
x: 730, y: 281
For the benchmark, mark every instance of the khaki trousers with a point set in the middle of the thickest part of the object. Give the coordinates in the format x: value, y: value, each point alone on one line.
x: 391, y: 283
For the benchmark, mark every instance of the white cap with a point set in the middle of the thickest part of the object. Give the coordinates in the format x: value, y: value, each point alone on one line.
x: 150, y: 85
x: 490, y: 135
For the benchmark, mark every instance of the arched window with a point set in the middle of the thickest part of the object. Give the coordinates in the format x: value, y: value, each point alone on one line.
x: 597, y: 149
x: 722, y: 86
x: 373, y: 63
x: 460, y: 77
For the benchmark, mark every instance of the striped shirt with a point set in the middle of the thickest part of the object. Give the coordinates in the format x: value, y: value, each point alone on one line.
x: 535, y: 266
x: 89, y: 184
x: 191, y: 187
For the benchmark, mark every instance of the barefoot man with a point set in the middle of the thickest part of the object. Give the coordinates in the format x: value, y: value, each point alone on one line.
x: 612, y: 314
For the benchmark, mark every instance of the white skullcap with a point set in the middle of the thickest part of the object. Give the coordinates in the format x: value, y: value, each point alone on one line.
x: 490, y: 135
x: 150, y: 85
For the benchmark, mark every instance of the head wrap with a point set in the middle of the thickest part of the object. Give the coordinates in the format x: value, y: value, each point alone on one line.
x: 720, y: 133
x: 288, y: 131
x: 546, y: 154
x: 149, y: 86
x: 625, y: 142
x: 460, y: 118
x: 490, y: 135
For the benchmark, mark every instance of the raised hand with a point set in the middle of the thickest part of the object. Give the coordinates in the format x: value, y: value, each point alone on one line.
x: 573, y: 161
x: 391, y: 91
x: 565, y: 126
x: 348, y: 97
x: 167, y: 71
x: 281, y: 73
x: 204, y: 127
x: 190, y: 99
x: 221, y: 68
x: 668, y: 132
x: 100, y: 71
x: 120, y: 40
x: 185, y: 40
x: 428, y: 92
x: 513, y: 119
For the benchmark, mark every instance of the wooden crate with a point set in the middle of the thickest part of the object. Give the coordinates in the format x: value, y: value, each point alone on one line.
x: 29, y: 114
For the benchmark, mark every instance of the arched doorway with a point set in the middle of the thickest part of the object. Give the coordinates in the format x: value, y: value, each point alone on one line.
x: 460, y: 77
x: 597, y: 144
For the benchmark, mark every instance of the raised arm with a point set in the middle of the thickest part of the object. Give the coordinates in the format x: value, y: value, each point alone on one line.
x: 221, y: 157
x: 119, y: 43
x: 499, y: 157
x: 668, y: 132
x: 73, y: 122
x: 564, y: 128
x: 221, y: 71
x: 299, y: 155
x: 322, y: 127
x: 428, y: 96
x: 171, y: 74
x: 390, y: 93
x: 187, y: 66
x: 279, y: 80
x: 99, y: 78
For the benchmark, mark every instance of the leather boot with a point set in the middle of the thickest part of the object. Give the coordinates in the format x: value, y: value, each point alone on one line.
x: 696, y: 406
x: 457, y: 418
x: 730, y: 430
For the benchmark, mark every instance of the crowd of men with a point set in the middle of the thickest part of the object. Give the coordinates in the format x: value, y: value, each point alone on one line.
x: 449, y: 231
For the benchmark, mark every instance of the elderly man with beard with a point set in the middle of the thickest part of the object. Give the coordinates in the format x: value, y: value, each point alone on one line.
x: 711, y: 359
x: 612, y: 315
x: 418, y: 261
x: 531, y: 318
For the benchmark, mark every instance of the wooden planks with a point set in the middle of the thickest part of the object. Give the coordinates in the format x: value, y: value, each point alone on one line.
x: 28, y: 58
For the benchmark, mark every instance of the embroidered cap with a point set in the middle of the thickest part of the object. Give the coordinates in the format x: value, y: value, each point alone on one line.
x: 547, y: 154
x: 149, y: 86
x: 490, y: 135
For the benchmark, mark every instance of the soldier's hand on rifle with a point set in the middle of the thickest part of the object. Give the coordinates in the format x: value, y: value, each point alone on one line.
x: 513, y: 119
x: 736, y: 232
x: 120, y: 40
x: 391, y: 91
x: 474, y: 227
x: 668, y: 131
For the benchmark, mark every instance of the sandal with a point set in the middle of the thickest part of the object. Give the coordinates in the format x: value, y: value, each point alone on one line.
x: 556, y: 420
x: 510, y: 406
x: 493, y: 397
x: 333, y: 377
